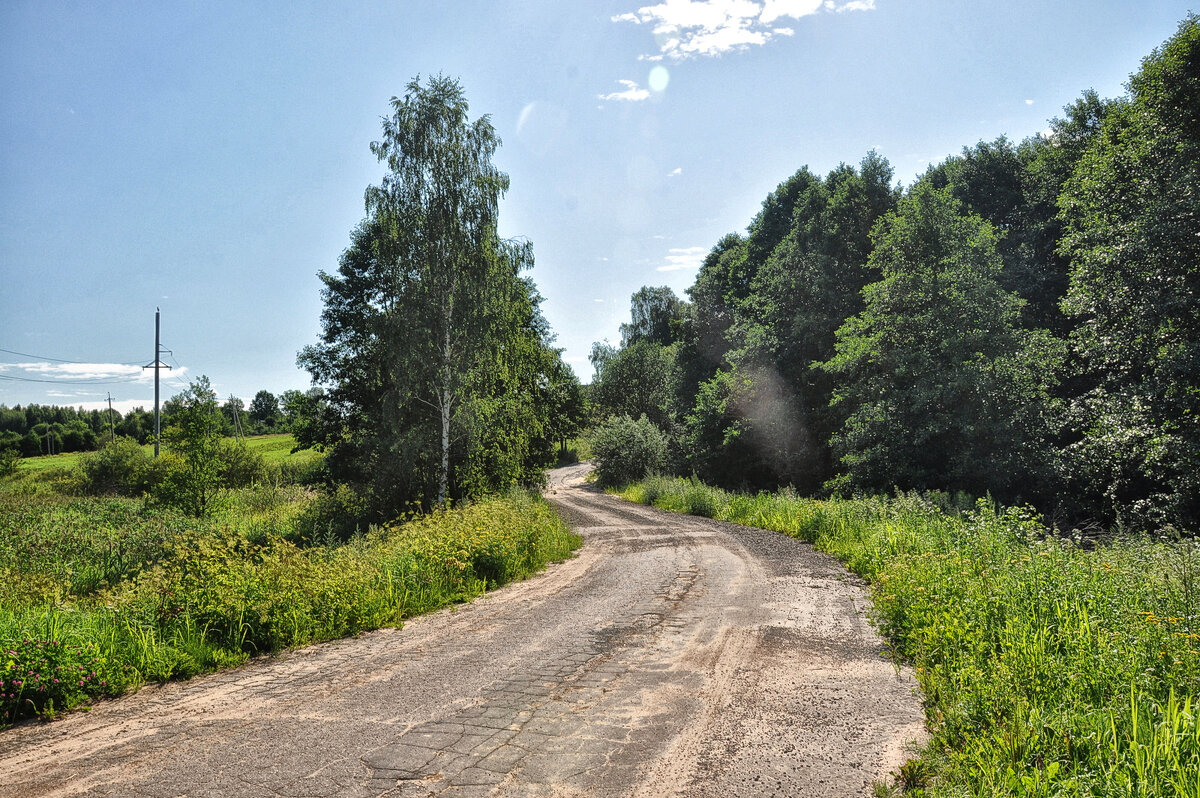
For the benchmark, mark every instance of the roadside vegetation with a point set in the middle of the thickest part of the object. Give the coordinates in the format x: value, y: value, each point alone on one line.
x: 1049, y: 667
x: 107, y: 583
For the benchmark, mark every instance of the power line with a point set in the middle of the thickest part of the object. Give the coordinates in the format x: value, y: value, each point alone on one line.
x: 59, y: 359
x: 99, y: 381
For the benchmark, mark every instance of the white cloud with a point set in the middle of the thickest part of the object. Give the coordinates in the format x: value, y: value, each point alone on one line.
x: 82, y: 373
x: 676, y: 172
x: 774, y: 9
x: 853, y: 5
x: 1029, y: 102
x: 683, y: 258
x: 631, y: 93
x: 692, y: 28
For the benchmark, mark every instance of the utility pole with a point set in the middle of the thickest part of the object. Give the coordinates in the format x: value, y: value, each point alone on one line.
x: 156, y: 365
x: 112, y: 429
x: 237, y: 421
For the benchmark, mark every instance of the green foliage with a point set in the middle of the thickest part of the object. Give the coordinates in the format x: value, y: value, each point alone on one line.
x: 121, y: 468
x: 626, y: 450
x: 1022, y: 322
x: 45, y: 677
x: 435, y: 354
x: 131, y: 594
x: 264, y: 411
x: 1048, y: 668
x: 938, y: 386
x: 727, y: 437
x: 189, y: 475
x: 656, y: 314
x: 637, y: 380
x: 1132, y: 218
x: 8, y: 462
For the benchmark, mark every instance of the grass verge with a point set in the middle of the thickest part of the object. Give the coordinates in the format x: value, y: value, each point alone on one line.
x: 100, y: 595
x: 1048, y: 669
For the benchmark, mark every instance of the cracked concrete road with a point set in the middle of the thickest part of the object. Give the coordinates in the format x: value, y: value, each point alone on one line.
x: 673, y: 656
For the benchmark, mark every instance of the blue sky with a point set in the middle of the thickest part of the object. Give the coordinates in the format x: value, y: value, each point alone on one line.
x: 210, y: 158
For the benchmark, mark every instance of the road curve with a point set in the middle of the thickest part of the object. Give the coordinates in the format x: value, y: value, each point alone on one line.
x: 673, y: 656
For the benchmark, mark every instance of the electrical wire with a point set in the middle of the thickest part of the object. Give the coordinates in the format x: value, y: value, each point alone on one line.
x: 59, y: 359
x: 99, y: 381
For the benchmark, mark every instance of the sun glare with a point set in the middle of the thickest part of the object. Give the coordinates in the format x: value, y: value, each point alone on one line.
x: 659, y: 78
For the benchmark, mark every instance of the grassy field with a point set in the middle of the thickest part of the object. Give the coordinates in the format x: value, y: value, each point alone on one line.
x: 273, y: 448
x: 1048, y: 668
x: 100, y: 594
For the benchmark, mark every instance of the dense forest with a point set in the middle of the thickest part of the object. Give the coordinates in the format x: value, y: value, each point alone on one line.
x: 1023, y: 321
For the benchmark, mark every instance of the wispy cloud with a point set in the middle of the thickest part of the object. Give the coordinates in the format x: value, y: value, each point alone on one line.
x: 79, y: 373
x: 631, y: 93
x: 697, y: 28
x: 683, y: 258
x: 676, y: 172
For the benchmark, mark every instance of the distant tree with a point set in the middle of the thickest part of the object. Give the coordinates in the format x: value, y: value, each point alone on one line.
x: 721, y: 441
x: 721, y: 285
x: 1039, y: 271
x: 1132, y: 218
x: 802, y: 294
x: 655, y: 316
x: 137, y: 424
x: 566, y: 405
x: 191, y: 474
x: 264, y: 410
x: 638, y: 380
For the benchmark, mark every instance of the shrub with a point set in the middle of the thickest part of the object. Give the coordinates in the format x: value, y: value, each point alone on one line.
x: 120, y: 468
x: 334, y: 516
x: 239, y: 465
x: 626, y: 450
x: 8, y: 462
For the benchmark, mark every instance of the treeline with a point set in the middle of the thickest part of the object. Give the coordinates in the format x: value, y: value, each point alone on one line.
x: 1022, y: 321
x: 35, y: 429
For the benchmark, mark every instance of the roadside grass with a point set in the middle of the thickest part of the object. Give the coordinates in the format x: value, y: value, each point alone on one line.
x: 99, y: 595
x: 1048, y: 669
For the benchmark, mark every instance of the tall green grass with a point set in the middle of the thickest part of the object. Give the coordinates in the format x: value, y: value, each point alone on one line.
x: 1048, y: 668
x: 98, y: 595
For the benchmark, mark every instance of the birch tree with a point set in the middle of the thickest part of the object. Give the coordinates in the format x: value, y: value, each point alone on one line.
x: 428, y: 326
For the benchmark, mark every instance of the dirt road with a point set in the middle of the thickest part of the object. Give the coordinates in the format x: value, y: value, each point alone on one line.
x: 673, y: 656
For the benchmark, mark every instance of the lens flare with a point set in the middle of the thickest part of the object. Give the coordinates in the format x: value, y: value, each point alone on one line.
x: 659, y: 78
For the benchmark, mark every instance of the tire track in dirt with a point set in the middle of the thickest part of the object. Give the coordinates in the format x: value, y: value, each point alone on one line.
x: 673, y: 656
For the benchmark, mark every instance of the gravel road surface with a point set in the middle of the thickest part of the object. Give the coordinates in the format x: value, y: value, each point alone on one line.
x: 673, y: 656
